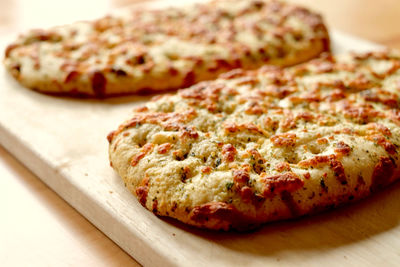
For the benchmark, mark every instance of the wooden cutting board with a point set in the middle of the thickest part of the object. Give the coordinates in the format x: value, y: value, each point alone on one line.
x: 63, y: 141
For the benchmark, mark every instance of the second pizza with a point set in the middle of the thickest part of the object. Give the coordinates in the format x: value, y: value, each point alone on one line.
x: 155, y: 50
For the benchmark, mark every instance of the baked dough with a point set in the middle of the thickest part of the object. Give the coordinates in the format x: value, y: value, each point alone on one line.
x: 153, y: 50
x: 258, y: 146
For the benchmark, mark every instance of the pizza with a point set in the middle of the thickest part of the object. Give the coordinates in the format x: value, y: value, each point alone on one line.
x: 151, y: 50
x: 263, y: 145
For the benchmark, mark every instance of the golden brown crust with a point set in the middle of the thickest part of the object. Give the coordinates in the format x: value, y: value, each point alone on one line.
x: 167, y: 49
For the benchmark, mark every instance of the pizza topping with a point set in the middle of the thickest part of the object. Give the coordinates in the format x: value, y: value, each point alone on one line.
x: 247, y: 80
x: 315, y: 161
x: 206, y: 169
x: 232, y: 74
x: 284, y: 140
x: 171, y: 121
x: 142, y: 191
x: 204, y: 95
x: 335, y: 165
x: 361, y: 114
x: 211, y: 210
x: 254, y: 108
x: 232, y: 127
x: 383, y: 173
x: 381, y: 96
x: 240, y: 177
x: 141, y: 109
x: 360, y: 83
x: 323, y: 67
x: 221, y: 214
x: 379, y: 128
x: 257, y: 161
x: 99, y: 84
x: 179, y: 155
x: 185, y: 173
x: 276, y: 184
x: 72, y: 75
x: 288, y: 122
x: 110, y: 136
x: 307, y: 116
x: 394, y: 115
x: 382, y: 141
x: 381, y: 75
x: 342, y: 148
x: 164, y: 148
x: 322, y: 141
x: 228, y: 152
x: 10, y: 48
x: 271, y: 124
x: 242, y: 185
x: 335, y: 95
x: 256, y: 156
x: 279, y: 91
x: 189, y: 132
x: 189, y: 79
x: 307, y: 97
x: 118, y: 72
x: 379, y: 55
x: 338, y: 171
x: 282, y: 166
x: 143, y: 152
x: 39, y: 35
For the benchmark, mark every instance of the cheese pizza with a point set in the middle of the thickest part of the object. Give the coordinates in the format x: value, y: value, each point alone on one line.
x: 265, y: 145
x: 153, y: 50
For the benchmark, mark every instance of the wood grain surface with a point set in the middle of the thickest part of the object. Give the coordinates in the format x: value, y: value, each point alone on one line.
x: 37, y: 227
x: 373, y: 20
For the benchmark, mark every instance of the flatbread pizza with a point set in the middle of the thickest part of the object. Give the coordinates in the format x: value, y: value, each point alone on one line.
x: 264, y: 145
x: 155, y: 50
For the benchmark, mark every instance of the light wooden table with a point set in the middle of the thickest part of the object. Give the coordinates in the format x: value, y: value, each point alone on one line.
x: 37, y: 228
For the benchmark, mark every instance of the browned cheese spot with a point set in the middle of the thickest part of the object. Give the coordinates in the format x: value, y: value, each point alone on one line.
x: 284, y: 140
x: 110, y: 136
x: 228, y: 152
x: 383, y: 173
x: 342, y: 148
x: 222, y: 213
x: 206, y: 169
x: 282, y: 166
x: 189, y: 79
x: 164, y: 148
x: 142, y: 191
x: 251, y: 127
x: 335, y: 165
x: 143, y: 152
x: 381, y: 140
x: 276, y: 184
x: 99, y: 83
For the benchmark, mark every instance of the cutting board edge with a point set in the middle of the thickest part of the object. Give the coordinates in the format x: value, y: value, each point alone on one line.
x: 92, y: 210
